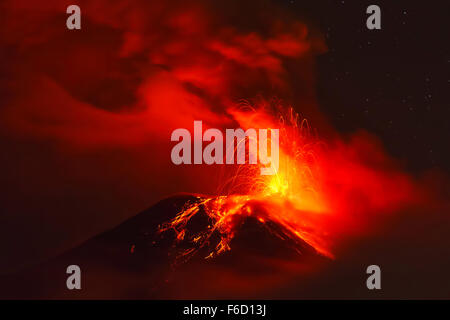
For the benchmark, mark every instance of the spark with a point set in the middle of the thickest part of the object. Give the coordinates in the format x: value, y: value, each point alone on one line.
x: 290, y: 199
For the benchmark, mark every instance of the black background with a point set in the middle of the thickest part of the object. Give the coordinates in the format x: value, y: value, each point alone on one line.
x: 394, y: 81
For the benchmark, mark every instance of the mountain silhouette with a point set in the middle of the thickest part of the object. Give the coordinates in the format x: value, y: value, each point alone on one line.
x: 135, y: 260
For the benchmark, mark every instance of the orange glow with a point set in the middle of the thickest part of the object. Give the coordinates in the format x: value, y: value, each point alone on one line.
x: 291, y: 198
x: 320, y: 194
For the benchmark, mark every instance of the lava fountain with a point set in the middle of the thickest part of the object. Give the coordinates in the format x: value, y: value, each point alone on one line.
x: 288, y: 203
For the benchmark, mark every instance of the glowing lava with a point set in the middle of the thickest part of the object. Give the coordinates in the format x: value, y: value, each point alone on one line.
x: 291, y: 199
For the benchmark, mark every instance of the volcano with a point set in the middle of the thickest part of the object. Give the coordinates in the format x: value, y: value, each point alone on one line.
x: 141, y: 258
x: 150, y: 257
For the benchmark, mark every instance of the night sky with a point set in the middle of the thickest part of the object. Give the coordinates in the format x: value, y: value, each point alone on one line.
x: 392, y: 82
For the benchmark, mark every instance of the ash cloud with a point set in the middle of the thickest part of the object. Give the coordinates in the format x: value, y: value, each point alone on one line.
x: 86, y: 115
